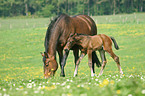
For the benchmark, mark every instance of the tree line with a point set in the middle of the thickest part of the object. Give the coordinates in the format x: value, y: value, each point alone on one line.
x: 48, y: 8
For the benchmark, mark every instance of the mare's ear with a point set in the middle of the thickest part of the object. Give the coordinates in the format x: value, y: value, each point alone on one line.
x: 42, y: 54
x: 45, y: 54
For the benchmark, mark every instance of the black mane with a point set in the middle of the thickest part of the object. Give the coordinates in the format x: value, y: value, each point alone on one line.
x: 82, y: 34
x: 49, y: 31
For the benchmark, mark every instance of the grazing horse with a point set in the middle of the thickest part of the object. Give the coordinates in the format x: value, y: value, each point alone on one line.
x: 56, y: 37
x: 100, y: 42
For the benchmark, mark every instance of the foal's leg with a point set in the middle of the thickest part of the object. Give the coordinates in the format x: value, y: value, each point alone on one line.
x: 77, y: 63
x: 76, y: 55
x: 102, y: 54
x: 116, y: 59
x: 90, y: 62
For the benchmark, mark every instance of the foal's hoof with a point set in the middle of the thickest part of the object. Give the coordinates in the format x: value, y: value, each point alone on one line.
x: 75, y: 75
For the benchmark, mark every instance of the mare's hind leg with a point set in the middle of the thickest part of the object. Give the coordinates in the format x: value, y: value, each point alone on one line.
x: 116, y: 59
x: 77, y: 63
x: 102, y: 54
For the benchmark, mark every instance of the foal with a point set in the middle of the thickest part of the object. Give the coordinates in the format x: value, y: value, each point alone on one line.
x: 88, y: 44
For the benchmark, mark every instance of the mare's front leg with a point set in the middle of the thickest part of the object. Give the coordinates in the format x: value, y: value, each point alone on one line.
x: 63, y: 62
x: 60, y: 53
x: 90, y: 62
x: 78, y: 62
x: 102, y: 54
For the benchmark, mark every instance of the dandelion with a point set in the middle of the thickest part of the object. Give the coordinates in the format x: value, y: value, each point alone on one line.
x: 105, y: 82
x: 112, y: 82
x: 63, y: 83
x: 143, y: 91
x: 71, y: 80
x: 131, y: 76
x: 67, y: 80
x: 68, y: 86
x: 101, y: 85
x: 69, y: 94
x: 4, y: 89
x: 13, y: 84
x: 118, y: 91
x: 78, y: 85
x: 47, y: 81
x: 6, y: 94
x: 36, y: 91
x: 29, y: 85
x: 129, y: 94
x: 133, y: 68
x: 17, y: 88
x: 85, y: 94
x: 25, y: 92
x: 96, y: 79
x: 57, y: 83
x: 42, y: 92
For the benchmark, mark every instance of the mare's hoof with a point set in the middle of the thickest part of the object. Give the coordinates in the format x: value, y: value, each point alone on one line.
x: 62, y: 75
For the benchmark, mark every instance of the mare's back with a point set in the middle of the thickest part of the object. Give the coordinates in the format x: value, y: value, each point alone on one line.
x: 84, y: 25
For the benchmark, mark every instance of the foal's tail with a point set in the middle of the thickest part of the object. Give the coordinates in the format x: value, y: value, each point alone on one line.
x: 115, y: 43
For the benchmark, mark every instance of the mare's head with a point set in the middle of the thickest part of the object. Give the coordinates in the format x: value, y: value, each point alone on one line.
x: 50, y: 65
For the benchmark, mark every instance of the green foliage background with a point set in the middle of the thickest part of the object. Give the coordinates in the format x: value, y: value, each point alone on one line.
x: 49, y: 8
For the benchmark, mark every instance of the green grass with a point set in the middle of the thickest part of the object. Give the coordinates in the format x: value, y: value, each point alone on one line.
x: 21, y: 67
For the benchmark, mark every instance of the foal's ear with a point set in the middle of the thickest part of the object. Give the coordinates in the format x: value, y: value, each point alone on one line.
x: 42, y: 54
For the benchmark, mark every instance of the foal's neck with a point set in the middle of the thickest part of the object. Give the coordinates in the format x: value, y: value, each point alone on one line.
x: 82, y: 39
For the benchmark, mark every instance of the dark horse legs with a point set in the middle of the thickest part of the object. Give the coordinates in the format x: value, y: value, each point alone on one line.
x: 76, y: 55
x: 63, y: 62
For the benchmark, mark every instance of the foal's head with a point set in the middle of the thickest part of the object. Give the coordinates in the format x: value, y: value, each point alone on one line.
x: 50, y: 65
x: 71, y: 41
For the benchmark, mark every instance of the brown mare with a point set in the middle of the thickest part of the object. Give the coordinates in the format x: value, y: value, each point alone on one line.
x: 56, y: 37
x: 100, y: 42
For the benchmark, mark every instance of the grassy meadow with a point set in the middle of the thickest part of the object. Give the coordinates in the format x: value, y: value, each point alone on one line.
x: 21, y: 66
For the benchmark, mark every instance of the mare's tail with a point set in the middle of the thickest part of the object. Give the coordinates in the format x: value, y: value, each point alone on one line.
x: 95, y: 59
x: 115, y: 43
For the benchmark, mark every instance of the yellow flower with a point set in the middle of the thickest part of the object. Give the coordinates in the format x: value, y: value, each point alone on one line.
x: 118, y: 91
x: 105, y: 82
x: 101, y: 85
x: 69, y: 94
x: 112, y: 82
x: 133, y: 68
x: 78, y: 85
